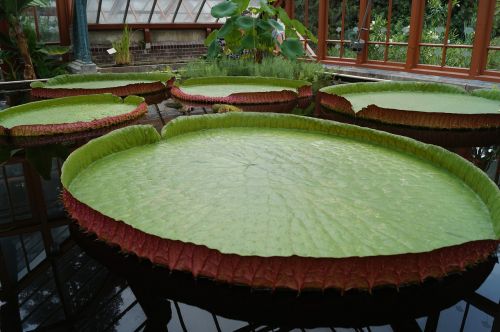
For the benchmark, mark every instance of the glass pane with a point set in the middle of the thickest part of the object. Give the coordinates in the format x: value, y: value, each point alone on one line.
x: 351, y: 20
x: 112, y: 11
x: 458, y: 57
x: 463, y: 23
x: 188, y: 11
x: 164, y: 11
x: 378, y: 24
x: 397, y: 53
x: 431, y: 55
x: 312, y: 13
x: 92, y: 6
x: 47, y: 22
x: 334, y: 50
x: 139, y: 10
x: 400, y: 21
x: 205, y: 15
x: 493, y: 60
x: 436, y: 12
x: 495, y: 32
x: 335, y: 20
x: 376, y: 52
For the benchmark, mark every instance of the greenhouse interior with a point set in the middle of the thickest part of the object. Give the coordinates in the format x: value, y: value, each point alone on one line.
x: 249, y: 165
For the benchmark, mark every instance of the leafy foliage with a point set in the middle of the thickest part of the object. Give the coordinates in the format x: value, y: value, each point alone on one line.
x: 122, y: 47
x: 252, y: 31
x: 46, y: 59
x: 269, y: 67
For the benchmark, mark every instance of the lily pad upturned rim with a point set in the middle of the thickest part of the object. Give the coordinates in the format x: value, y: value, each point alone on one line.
x: 158, y: 82
x: 292, y: 272
x: 332, y: 98
x: 302, y: 89
x: 78, y: 126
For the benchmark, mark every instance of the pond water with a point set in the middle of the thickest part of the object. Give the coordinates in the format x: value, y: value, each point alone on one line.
x: 55, y: 277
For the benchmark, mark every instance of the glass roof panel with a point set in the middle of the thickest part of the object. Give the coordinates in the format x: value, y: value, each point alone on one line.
x: 188, y: 11
x: 139, y: 10
x: 92, y: 6
x: 112, y: 11
x: 164, y: 11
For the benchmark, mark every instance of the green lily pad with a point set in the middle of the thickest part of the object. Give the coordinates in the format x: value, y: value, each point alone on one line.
x: 69, y: 112
x: 273, y: 185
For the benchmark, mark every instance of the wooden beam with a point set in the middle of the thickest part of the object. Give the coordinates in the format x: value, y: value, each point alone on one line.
x: 485, y: 17
x: 416, y: 25
x: 63, y: 21
x: 363, y: 28
x: 322, y: 29
x: 290, y: 8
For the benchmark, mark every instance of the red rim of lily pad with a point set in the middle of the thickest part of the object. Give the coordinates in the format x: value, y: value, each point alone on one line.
x: 333, y: 98
x: 138, y: 104
x: 292, y: 90
x: 291, y: 272
x: 156, y: 83
x: 296, y: 273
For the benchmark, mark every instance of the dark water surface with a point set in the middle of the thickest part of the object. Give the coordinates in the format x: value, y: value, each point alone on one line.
x: 56, y: 278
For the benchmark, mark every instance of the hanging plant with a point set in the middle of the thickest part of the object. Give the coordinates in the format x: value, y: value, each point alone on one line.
x: 252, y: 31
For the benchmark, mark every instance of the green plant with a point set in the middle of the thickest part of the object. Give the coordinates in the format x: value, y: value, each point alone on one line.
x: 254, y: 35
x: 122, y: 47
x: 45, y: 59
x: 269, y: 67
x: 11, y: 11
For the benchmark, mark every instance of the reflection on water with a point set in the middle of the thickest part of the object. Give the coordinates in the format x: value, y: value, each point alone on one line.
x: 55, y: 278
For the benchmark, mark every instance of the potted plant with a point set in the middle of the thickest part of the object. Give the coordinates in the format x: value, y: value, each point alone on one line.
x: 122, y: 47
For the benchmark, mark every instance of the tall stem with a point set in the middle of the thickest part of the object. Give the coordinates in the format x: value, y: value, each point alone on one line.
x: 22, y: 44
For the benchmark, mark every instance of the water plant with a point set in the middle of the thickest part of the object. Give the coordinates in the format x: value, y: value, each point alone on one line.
x: 122, y: 47
x: 252, y: 31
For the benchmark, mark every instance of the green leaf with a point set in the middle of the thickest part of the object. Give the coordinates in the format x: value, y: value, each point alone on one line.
x: 211, y: 37
x: 54, y: 50
x: 283, y: 16
x: 265, y: 8
x: 227, y: 28
x: 224, y: 9
x: 299, y: 27
x: 276, y: 25
x: 242, y: 5
x: 213, y: 50
x: 292, y: 48
x: 245, y: 22
x: 248, y: 42
x: 264, y: 25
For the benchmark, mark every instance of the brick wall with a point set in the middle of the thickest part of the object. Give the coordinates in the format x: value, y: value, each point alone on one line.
x: 165, y: 52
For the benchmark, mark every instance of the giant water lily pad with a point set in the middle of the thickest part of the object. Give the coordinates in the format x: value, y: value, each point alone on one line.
x: 272, y: 200
x: 120, y: 84
x: 69, y: 115
x: 241, y: 90
x: 427, y: 105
